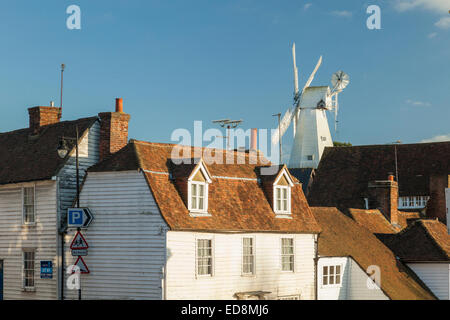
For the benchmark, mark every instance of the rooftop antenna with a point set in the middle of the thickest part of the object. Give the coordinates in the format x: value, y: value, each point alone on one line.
x: 395, y: 143
x: 63, y: 66
x: 229, y: 124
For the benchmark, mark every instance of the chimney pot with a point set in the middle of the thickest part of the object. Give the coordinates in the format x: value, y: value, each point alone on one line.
x: 391, y: 177
x: 119, y: 105
x: 254, y: 139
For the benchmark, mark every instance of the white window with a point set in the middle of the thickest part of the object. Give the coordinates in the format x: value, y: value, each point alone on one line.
x: 204, y: 257
x: 331, y: 275
x: 412, y: 202
x: 248, y: 256
x: 198, y: 196
x: 28, y: 269
x: 28, y: 205
x: 287, y: 254
x: 282, y: 199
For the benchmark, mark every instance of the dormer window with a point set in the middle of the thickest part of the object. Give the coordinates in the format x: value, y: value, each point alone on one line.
x: 198, y: 190
x: 282, y: 193
x: 198, y: 195
x: 282, y: 197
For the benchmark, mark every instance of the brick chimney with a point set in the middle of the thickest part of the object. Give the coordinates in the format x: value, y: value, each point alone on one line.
x: 436, y: 206
x: 113, y: 130
x: 385, y: 195
x: 41, y: 116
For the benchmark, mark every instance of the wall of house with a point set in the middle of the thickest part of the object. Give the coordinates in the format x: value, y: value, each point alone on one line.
x: 357, y: 285
x: 182, y: 283
x: 353, y: 285
x: 88, y: 155
x: 435, y: 276
x: 126, y: 239
x: 333, y: 292
x: 40, y: 237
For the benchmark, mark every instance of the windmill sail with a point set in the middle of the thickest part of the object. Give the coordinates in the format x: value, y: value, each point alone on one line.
x: 284, y: 124
x: 311, y: 77
x: 295, y: 73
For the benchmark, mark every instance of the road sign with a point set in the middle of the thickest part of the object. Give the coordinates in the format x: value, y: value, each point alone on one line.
x: 79, y: 242
x: 82, y: 265
x: 79, y: 217
x: 79, y: 252
x: 46, y: 269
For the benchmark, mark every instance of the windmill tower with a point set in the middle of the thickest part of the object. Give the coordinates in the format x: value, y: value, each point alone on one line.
x: 308, y: 114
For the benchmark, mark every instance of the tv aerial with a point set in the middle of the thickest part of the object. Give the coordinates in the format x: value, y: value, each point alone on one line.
x: 229, y: 124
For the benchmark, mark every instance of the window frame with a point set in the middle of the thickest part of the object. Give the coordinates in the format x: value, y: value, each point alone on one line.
x: 253, y: 273
x: 197, y: 274
x: 293, y: 255
x: 205, y: 197
x: 24, y: 222
x: 275, y: 199
x: 24, y: 270
x: 328, y: 285
x: 405, y: 202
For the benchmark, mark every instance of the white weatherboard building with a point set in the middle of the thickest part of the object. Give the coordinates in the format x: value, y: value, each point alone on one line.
x: 354, y: 265
x: 36, y: 188
x: 194, y: 231
x: 37, y: 185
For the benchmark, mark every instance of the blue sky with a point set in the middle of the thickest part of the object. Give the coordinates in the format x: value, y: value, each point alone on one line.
x: 174, y: 62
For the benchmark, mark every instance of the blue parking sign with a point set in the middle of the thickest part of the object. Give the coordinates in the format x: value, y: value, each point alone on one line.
x: 46, y: 269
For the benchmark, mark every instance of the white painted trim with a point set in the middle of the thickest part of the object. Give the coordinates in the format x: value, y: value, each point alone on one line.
x: 204, y: 237
x: 200, y: 166
x: 288, y: 178
x: 198, y: 212
x: 289, y: 200
x: 281, y: 253
x: 254, y: 256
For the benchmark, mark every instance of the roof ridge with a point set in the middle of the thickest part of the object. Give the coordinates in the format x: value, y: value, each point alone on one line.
x: 431, y: 237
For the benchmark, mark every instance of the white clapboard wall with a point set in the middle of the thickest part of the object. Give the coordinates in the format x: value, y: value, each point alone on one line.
x: 182, y: 283
x: 126, y: 239
x: 353, y: 284
x: 435, y: 276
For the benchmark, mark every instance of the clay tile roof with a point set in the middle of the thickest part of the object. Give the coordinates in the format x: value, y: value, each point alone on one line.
x: 424, y: 240
x: 30, y: 158
x: 344, y: 172
x: 237, y: 202
x: 373, y: 220
x: 343, y: 237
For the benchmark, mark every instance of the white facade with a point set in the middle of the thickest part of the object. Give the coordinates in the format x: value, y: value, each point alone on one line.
x: 312, y: 133
x: 51, y: 198
x: 129, y: 243
x: 436, y: 276
x: 40, y: 237
x: 227, y: 277
x: 354, y: 284
x: 126, y: 239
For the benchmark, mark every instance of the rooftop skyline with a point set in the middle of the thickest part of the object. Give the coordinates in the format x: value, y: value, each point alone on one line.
x: 175, y: 62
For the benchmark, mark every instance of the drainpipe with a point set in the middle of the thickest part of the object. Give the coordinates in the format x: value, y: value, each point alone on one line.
x: 316, y: 261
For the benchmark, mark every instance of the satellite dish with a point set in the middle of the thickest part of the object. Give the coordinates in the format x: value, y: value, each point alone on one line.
x: 340, y: 80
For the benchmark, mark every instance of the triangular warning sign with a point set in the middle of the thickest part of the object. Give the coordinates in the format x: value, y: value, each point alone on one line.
x: 79, y: 242
x: 82, y: 265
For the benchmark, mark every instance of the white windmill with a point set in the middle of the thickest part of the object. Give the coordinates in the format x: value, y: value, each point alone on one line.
x: 311, y: 131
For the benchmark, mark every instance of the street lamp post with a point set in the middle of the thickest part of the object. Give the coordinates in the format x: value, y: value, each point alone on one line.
x: 63, y: 150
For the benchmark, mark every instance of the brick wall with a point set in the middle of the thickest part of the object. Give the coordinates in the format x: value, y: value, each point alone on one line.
x: 113, y: 132
x: 42, y: 116
x: 436, y: 207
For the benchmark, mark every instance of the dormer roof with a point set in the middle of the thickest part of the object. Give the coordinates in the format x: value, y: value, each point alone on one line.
x: 237, y: 201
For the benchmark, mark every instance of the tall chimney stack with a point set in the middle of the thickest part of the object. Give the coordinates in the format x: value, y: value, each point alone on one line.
x: 254, y: 139
x: 42, y: 116
x: 385, y: 193
x: 113, y: 130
